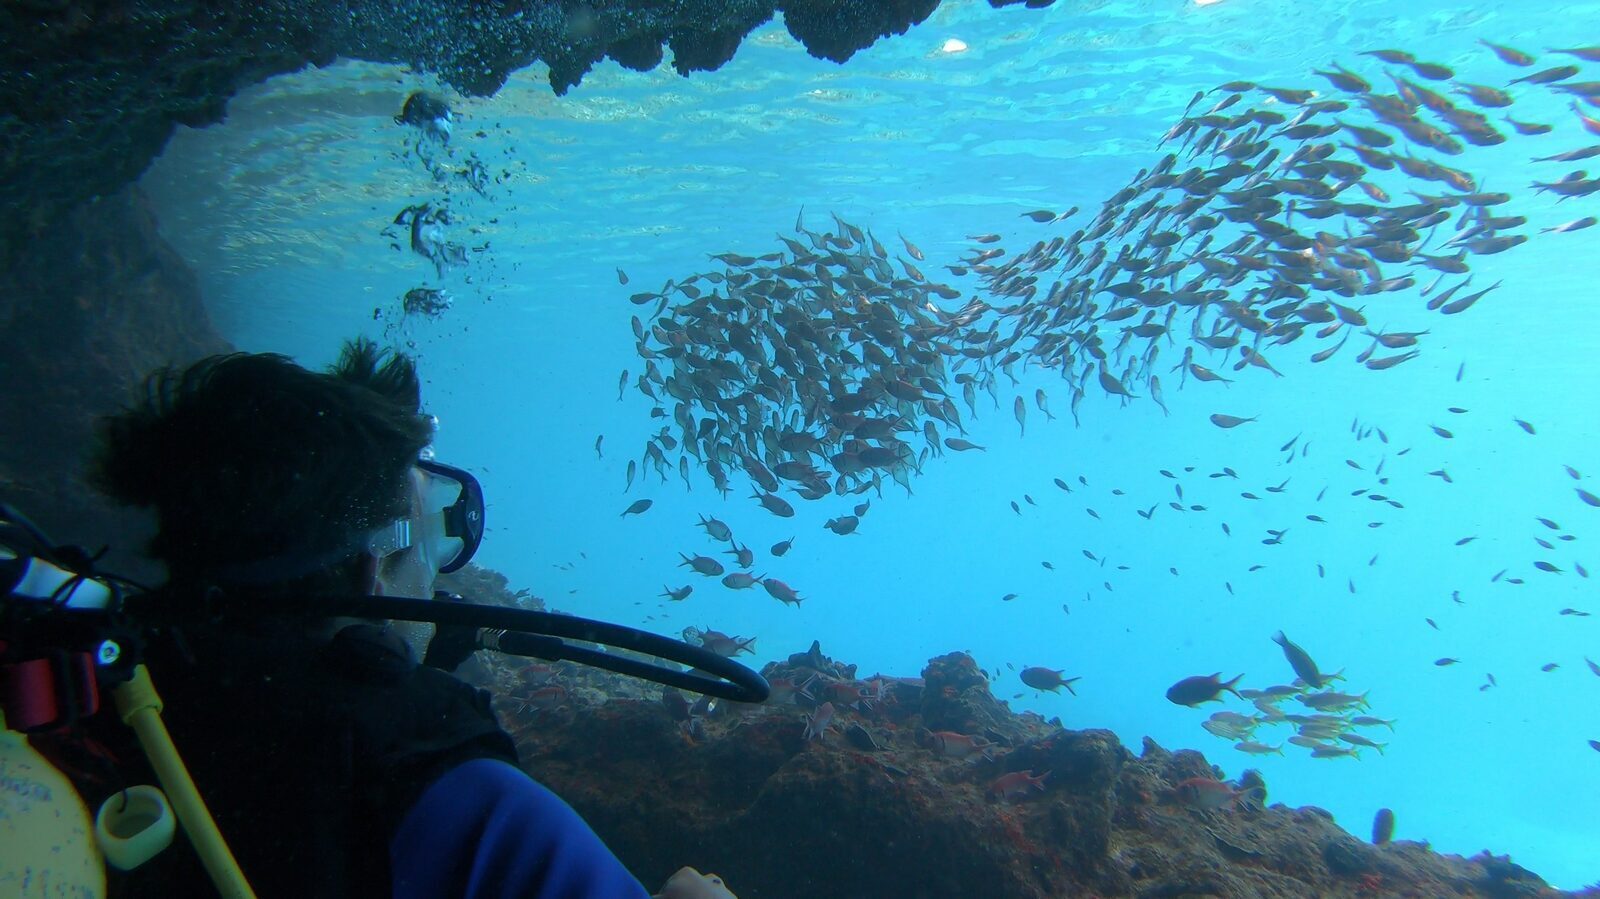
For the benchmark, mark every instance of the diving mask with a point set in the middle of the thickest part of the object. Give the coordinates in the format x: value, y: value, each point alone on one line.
x: 439, y: 534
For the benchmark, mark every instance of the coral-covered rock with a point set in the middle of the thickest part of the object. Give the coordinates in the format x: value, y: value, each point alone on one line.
x: 739, y: 790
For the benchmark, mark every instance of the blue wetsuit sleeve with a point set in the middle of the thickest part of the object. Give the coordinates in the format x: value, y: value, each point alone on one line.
x: 485, y: 830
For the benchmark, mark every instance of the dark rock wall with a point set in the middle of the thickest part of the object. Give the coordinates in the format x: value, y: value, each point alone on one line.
x: 90, y: 90
x: 92, y: 299
x: 740, y: 790
x: 89, y: 305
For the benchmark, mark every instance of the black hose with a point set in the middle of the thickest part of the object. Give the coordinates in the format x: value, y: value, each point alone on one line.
x: 536, y: 634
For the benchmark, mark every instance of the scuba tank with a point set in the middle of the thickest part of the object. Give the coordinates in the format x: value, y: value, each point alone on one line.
x: 61, y: 643
x: 47, y: 845
x: 65, y: 636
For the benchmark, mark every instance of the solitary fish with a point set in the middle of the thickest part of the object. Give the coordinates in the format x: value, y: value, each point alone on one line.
x: 1192, y: 691
x: 778, y: 549
x: 715, y: 529
x: 1510, y: 57
x: 1574, y: 225
x: 1396, y: 57
x: 1300, y: 661
x: 912, y: 248
x: 742, y: 554
x: 781, y: 592
x: 844, y: 524
x: 638, y: 507
x: 1043, y: 402
x: 703, y: 564
x: 961, y: 446
x: 952, y: 745
x: 817, y: 723
x: 1382, y: 827
x: 1205, y: 793
x: 740, y: 580
x: 1048, y: 679
x: 1015, y: 784
x: 1206, y: 374
x: 678, y: 595
x: 1111, y: 385
x: 1431, y: 70
x: 724, y: 645
x: 1547, y: 76
x: 1359, y: 740
x: 777, y: 505
x: 1229, y: 421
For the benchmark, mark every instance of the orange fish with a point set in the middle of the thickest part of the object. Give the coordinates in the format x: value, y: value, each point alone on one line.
x: 956, y: 746
x: 548, y: 699
x: 843, y: 692
x: 785, y: 689
x: 1015, y: 784
x: 817, y: 724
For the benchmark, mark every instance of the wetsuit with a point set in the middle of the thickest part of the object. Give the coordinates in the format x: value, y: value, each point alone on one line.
x: 345, y: 769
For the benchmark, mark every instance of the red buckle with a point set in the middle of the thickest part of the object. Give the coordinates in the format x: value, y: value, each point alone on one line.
x: 48, y: 692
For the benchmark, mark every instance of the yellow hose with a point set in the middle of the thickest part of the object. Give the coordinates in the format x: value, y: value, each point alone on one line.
x: 140, y: 709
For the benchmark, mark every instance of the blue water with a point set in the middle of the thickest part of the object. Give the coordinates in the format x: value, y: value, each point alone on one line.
x: 280, y: 211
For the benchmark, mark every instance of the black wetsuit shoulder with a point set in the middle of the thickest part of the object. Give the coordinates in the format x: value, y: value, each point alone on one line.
x: 309, y: 753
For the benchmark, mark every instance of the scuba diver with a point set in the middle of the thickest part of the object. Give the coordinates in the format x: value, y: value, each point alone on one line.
x: 333, y: 762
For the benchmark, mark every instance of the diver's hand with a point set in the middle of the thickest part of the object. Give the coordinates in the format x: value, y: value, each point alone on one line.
x: 691, y: 884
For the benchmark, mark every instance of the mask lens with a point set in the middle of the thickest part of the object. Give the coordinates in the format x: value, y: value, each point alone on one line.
x: 453, y: 523
x: 445, y: 525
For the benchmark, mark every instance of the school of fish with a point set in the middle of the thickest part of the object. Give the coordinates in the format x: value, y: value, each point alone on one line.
x: 816, y: 367
x: 1278, y: 215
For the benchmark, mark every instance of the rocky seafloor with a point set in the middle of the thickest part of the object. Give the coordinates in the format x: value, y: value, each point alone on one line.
x: 884, y: 801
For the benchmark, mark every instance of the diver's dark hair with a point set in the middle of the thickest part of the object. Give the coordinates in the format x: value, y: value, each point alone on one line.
x: 245, y: 457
